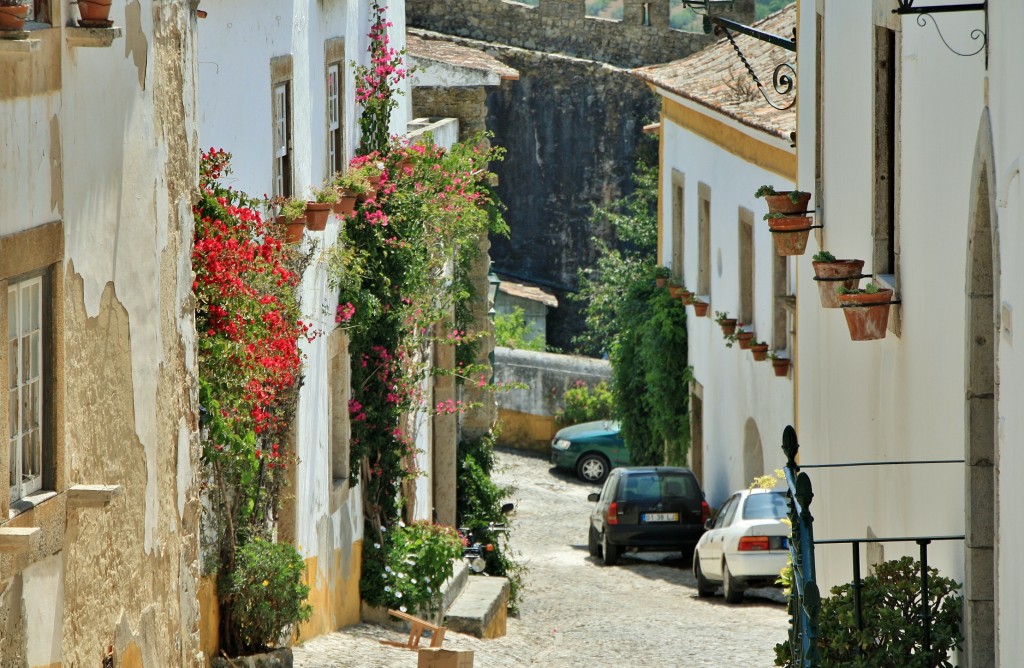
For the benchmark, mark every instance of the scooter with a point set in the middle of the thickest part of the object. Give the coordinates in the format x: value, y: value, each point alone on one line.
x: 475, y: 549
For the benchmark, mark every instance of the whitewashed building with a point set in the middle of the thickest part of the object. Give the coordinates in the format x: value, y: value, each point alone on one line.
x: 720, y: 141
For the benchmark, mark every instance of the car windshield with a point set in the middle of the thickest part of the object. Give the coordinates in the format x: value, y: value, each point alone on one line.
x: 651, y: 486
x: 770, y: 506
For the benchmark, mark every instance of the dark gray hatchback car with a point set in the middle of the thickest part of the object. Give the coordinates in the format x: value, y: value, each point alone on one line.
x: 647, y: 508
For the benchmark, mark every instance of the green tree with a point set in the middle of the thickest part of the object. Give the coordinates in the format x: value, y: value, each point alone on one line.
x: 512, y: 331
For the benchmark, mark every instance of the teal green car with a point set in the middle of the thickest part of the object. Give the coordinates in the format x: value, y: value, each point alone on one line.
x: 592, y: 449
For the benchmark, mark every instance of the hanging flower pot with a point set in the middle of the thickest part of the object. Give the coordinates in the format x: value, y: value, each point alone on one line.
x: 781, y: 366
x: 316, y: 215
x: 292, y: 228
x: 727, y: 324
x: 346, y: 203
x: 789, y: 233
x: 759, y: 350
x: 700, y: 309
x: 784, y: 201
x: 675, y: 291
x: 12, y: 18
x: 867, y: 312
x: 745, y: 338
x: 94, y: 13
x: 831, y: 274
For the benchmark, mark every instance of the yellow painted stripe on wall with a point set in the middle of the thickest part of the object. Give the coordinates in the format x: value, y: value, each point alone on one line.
x: 762, y: 154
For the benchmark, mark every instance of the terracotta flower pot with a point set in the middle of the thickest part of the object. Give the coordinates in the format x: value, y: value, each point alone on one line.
x: 827, y: 273
x: 790, y: 234
x: 675, y: 291
x: 660, y: 281
x: 686, y: 297
x: 367, y: 196
x: 781, y: 366
x: 346, y: 204
x: 94, y: 11
x: 867, y: 315
x: 759, y: 351
x: 316, y: 215
x: 292, y: 230
x: 728, y: 325
x: 13, y: 18
x: 745, y: 339
x: 700, y: 309
x: 781, y: 203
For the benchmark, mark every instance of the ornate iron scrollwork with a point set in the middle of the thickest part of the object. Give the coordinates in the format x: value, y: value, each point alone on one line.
x: 924, y: 14
x: 782, y: 81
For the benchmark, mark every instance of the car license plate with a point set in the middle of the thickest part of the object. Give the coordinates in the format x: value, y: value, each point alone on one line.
x: 659, y: 517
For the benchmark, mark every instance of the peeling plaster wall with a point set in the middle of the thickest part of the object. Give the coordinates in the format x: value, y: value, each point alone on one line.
x: 130, y: 339
x: 100, y: 142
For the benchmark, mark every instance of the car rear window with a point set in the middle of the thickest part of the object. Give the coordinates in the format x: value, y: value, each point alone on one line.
x: 765, y: 507
x: 650, y: 486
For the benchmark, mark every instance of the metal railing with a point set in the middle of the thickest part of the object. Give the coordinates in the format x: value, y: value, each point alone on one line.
x: 805, y: 598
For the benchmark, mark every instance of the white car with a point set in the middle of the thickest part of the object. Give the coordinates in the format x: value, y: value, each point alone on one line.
x: 745, y: 545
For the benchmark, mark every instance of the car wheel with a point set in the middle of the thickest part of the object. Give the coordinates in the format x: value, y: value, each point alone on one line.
x: 704, y: 587
x: 609, y: 552
x: 592, y: 468
x: 592, y: 544
x: 733, y: 591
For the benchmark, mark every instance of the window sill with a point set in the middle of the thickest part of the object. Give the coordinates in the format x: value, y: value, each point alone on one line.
x: 18, y: 540
x: 92, y: 37
x: 29, y: 502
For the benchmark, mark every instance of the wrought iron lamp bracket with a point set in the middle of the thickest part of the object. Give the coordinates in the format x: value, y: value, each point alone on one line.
x: 906, y: 7
x: 784, y: 75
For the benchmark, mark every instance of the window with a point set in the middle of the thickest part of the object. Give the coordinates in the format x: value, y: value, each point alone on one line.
x: 886, y: 122
x: 819, y: 133
x: 677, y: 225
x: 746, y: 265
x: 282, y: 142
x: 704, y: 241
x: 783, y: 303
x: 335, y: 131
x: 25, y: 401
x: 31, y: 391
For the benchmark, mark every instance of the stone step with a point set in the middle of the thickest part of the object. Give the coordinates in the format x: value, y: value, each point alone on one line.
x: 481, y: 609
x: 453, y: 586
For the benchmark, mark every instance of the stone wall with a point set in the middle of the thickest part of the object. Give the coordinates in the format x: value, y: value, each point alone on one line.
x: 561, y: 26
x: 528, y: 415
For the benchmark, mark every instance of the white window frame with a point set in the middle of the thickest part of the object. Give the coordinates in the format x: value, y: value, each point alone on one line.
x: 25, y: 383
x: 281, y: 140
x: 334, y: 129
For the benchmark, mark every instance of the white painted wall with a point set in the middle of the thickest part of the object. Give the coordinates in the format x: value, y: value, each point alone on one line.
x: 901, y: 398
x: 1006, y: 99
x: 736, y: 388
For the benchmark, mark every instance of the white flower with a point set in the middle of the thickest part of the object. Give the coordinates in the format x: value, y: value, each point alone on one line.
x: 398, y: 594
x: 387, y: 588
x: 402, y: 608
x: 401, y: 524
x: 376, y: 546
x: 412, y: 580
x: 387, y: 568
x: 426, y: 579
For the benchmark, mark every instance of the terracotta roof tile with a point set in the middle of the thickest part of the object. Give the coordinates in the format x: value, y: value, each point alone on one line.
x: 424, y: 45
x: 715, y: 78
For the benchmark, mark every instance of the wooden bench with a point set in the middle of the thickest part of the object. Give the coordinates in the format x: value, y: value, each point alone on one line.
x: 416, y: 632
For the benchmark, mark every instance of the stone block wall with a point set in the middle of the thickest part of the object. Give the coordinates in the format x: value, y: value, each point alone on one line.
x: 562, y: 26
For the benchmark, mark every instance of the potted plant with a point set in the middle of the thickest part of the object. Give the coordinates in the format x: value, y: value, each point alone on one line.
x: 831, y: 273
x: 759, y: 349
x: 94, y: 13
x: 786, y: 201
x: 866, y: 311
x: 291, y: 214
x: 745, y: 338
x: 13, y: 14
x: 789, y: 232
x: 348, y: 187
x: 700, y: 308
x: 661, y: 275
x: 319, y: 208
x: 780, y: 364
x: 727, y: 324
x: 675, y: 291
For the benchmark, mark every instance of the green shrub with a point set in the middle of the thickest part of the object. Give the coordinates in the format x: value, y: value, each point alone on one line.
x: 585, y: 404
x: 512, y: 331
x: 893, y: 636
x: 267, y: 593
x: 417, y: 559
x: 478, y: 503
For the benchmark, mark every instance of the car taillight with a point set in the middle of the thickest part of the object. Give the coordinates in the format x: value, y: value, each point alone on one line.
x: 753, y: 543
x: 705, y: 512
x: 613, y: 513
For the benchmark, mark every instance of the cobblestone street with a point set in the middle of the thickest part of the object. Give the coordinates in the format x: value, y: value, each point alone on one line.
x: 575, y: 612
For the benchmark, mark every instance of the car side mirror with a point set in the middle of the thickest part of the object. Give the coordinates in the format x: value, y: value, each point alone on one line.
x: 708, y: 523
x: 593, y: 496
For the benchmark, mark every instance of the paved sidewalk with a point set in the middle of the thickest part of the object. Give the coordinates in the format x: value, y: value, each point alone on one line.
x: 575, y: 612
